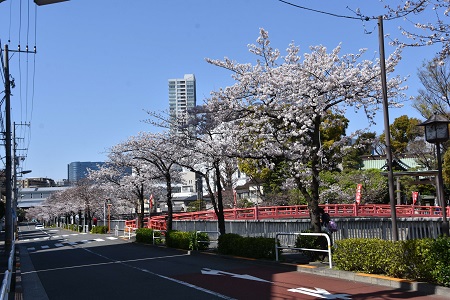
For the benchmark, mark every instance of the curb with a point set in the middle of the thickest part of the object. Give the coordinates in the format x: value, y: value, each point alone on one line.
x: 397, y: 283
x: 322, y: 269
x: 18, y: 292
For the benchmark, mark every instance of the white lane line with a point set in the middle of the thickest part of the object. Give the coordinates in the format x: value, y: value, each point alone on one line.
x: 140, y: 269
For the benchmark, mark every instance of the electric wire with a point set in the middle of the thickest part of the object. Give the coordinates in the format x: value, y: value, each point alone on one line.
x: 10, y: 21
x: 33, y: 78
x: 26, y: 69
x: 392, y: 16
x: 319, y: 11
x: 2, y: 122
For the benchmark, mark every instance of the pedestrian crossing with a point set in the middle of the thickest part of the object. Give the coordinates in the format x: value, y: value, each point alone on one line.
x: 60, y: 244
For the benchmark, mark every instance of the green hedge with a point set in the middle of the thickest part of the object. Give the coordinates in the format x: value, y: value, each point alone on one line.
x: 144, y: 235
x: 440, y: 255
x: 252, y: 247
x: 420, y: 259
x: 99, y: 229
x: 187, y: 240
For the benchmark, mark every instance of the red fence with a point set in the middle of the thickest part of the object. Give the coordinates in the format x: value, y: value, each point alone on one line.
x: 298, y: 211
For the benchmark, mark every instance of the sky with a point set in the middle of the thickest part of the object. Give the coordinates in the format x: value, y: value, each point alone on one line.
x: 102, y: 65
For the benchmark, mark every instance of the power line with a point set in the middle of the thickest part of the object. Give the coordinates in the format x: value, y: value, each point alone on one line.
x: 392, y: 15
x: 325, y: 12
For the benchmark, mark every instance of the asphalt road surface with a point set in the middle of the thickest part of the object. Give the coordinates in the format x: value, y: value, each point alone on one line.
x: 59, y: 264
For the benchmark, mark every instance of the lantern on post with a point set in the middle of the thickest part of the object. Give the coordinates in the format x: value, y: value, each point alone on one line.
x: 436, y: 132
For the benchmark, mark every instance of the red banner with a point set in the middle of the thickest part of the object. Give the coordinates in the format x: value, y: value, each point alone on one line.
x: 415, y: 196
x: 358, y: 193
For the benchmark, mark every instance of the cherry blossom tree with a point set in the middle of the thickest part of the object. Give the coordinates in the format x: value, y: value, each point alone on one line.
x: 435, y: 30
x: 88, y: 199
x: 415, y: 31
x: 127, y: 180
x: 200, y: 142
x: 276, y: 110
x: 155, y: 152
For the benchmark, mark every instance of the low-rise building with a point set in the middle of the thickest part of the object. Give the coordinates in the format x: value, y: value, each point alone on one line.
x: 29, y: 197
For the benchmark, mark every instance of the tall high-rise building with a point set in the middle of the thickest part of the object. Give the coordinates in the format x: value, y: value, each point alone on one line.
x: 78, y: 170
x: 182, y: 97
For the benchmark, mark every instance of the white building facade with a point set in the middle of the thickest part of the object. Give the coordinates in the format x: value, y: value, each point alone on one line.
x: 182, y: 97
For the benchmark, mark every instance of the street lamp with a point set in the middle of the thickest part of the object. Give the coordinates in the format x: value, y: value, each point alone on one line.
x: 436, y: 132
x: 108, y: 202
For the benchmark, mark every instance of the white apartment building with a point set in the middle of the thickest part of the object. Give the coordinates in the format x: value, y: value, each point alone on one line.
x: 182, y: 97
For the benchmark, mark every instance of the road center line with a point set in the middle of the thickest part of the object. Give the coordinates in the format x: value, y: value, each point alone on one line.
x: 101, y: 264
x: 125, y: 263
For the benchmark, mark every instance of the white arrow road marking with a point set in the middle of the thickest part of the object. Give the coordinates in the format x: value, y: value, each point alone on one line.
x: 320, y: 293
x: 207, y: 271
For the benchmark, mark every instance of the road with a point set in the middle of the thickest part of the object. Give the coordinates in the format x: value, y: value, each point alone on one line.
x: 59, y: 264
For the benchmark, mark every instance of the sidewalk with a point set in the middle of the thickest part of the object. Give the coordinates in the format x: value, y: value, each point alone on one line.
x: 322, y: 268
x: 4, y: 257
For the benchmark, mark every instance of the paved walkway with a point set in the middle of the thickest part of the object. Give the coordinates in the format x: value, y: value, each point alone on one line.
x: 4, y: 257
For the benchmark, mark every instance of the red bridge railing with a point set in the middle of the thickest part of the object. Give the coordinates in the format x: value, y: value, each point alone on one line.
x: 298, y: 211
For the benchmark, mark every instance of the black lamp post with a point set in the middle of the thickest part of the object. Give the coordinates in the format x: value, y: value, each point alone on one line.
x: 436, y: 132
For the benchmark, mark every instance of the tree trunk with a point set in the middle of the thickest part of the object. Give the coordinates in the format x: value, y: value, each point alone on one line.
x: 169, y: 204
x: 79, y: 220
x: 89, y: 218
x: 141, y: 206
x: 313, y: 199
x: 220, y: 215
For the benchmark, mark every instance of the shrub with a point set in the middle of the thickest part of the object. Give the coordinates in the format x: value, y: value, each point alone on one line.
x: 419, y: 259
x: 373, y: 256
x: 200, y: 241
x: 99, y: 229
x: 144, y: 235
x: 440, y: 255
x: 415, y: 261
x: 180, y: 240
x: 252, y: 247
x: 226, y: 243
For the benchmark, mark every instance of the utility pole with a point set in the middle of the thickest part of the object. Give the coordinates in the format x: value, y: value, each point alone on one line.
x: 387, y: 132
x: 15, y: 163
x: 9, y: 228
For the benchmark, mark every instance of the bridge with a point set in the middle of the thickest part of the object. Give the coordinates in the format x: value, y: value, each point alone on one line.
x: 296, y: 212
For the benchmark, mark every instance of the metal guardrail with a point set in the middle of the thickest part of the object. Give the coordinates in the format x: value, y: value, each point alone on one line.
x: 161, y: 236
x: 304, y: 249
x: 6, y: 283
x: 208, y: 232
x: 127, y: 229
